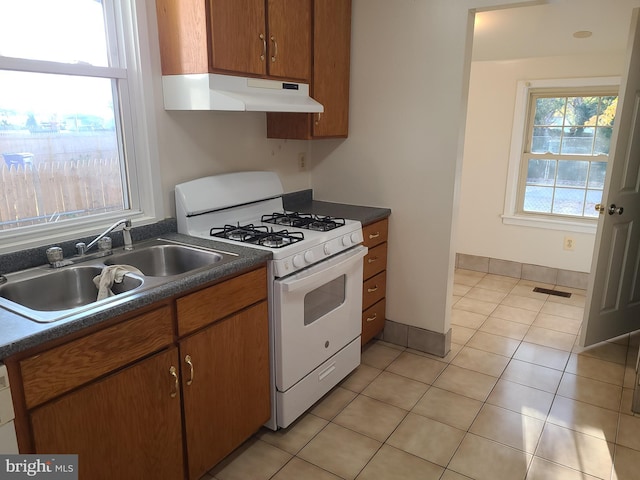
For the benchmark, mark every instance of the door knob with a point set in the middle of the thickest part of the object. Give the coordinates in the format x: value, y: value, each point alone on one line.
x: 613, y: 209
x: 599, y: 208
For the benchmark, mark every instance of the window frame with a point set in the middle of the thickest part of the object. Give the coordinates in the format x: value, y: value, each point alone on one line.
x: 127, y: 29
x: 513, y: 213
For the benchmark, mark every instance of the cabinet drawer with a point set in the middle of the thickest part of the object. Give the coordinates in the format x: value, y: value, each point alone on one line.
x: 214, y: 303
x: 373, y: 320
x: 376, y: 233
x: 63, y: 368
x: 373, y: 290
x: 375, y: 261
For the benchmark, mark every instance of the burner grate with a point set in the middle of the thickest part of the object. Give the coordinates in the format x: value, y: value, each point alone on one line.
x: 304, y: 220
x: 257, y: 235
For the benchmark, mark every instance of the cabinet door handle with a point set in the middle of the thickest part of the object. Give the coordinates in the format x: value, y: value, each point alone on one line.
x: 372, y: 259
x: 371, y: 319
x: 371, y: 290
x: 264, y: 47
x: 318, y: 119
x: 187, y: 359
x: 374, y: 235
x: 275, y: 49
x: 174, y: 374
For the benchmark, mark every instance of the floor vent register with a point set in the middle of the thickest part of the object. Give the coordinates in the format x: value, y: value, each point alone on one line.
x: 549, y: 291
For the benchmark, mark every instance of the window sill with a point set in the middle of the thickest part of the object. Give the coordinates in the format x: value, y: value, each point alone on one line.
x: 580, y: 226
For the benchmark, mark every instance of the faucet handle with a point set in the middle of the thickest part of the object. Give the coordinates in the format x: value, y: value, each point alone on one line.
x: 54, y: 254
x: 56, y: 257
x: 80, y: 248
x: 104, y: 244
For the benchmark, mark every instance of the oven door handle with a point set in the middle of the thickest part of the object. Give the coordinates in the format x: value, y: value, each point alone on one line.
x: 309, y: 278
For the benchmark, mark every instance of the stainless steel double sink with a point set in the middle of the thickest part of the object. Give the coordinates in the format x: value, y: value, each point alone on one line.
x: 45, y: 294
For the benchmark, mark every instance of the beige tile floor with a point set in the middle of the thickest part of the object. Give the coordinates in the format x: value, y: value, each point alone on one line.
x: 515, y: 398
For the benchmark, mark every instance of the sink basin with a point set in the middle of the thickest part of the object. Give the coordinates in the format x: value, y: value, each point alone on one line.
x: 65, y: 289
x: 166, y: 260
x: 46, y: 295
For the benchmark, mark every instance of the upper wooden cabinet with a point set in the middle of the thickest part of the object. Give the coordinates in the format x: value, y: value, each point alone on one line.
x: 263, y: 38
x: 330, y: 78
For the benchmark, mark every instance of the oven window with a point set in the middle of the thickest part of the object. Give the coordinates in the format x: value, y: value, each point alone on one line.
x: 324, y: 299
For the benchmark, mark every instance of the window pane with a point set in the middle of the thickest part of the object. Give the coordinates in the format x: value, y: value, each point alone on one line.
x: 569, y: 201
x: 597, y: 173
x: 546, y: 140
x: 572, y: 173
x: 593, y: 197
x: 581, y: 109
x: 60, y: 150
x: 607, y: 111
x: 603, y: 141
x: 577, y: 141
x: 538, y: 199
x: 541, y: 172
x: 66, y: 31
x: 549, y: 111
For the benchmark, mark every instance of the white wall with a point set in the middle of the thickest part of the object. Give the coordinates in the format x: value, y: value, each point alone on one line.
x: 408, y: 96
x: 196, y: 144
x: 492, y: 93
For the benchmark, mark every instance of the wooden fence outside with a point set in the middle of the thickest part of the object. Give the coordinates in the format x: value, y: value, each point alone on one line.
x: 48, y: 191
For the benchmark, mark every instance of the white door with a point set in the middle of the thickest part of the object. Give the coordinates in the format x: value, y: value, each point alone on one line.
x: 613, y: 301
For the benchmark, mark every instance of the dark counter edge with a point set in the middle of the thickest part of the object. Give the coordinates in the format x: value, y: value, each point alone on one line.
x: 303, y: 202
x: 18, y: 333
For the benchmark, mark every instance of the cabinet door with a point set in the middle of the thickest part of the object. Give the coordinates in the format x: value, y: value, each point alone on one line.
x: 330, y: 78
x: 331, y: 58
x: 126, y: 426
x: 238, y: 36
x: 289, y: 39
x: 228, y: 398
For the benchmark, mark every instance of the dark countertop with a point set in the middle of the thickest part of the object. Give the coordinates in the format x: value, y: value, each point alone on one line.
x: 303, y: 202
x: 18, y: 333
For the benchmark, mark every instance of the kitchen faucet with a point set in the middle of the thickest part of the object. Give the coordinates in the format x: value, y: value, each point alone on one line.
x: 83, y: 248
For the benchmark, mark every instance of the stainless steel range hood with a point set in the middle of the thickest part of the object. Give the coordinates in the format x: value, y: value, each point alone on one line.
x: 226, y: 92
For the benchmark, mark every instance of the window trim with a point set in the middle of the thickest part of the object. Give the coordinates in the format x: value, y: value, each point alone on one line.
x: 139, y: 131
x: 511, y: 215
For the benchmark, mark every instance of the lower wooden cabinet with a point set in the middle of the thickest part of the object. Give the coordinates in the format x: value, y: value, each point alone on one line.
x: 136, y: 402
x: 225, y: 382
x: 126, y: 426
x: 374, y: 286
x: 373, y: 320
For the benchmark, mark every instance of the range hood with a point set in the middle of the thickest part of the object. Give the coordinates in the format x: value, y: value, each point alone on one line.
x: 226, y: 92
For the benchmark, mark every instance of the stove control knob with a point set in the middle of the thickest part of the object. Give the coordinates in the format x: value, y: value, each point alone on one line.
x: 308, y: 256
x: 328, y: 250
x: 298, y: 261
x: 355, y: 238
x: 346, y: 241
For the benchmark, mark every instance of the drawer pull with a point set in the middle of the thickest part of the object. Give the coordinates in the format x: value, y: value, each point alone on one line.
x: 275, y: 48
x: 264, y: 46
x: 373, y: 289
x: 372, y: 259
x: 374, y: 235
x: 327, y: 371
x: 371, y: 319
x: 187, y: 359
x: 174, y: 374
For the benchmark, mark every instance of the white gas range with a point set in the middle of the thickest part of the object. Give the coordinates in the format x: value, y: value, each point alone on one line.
x: 315, y: 287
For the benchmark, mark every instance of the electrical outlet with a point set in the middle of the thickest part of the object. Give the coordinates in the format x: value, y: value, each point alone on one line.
x: 569, y: 243
x: 302, y: 161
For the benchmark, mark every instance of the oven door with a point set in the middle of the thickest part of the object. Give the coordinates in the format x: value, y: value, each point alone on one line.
x: 317, y: 312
